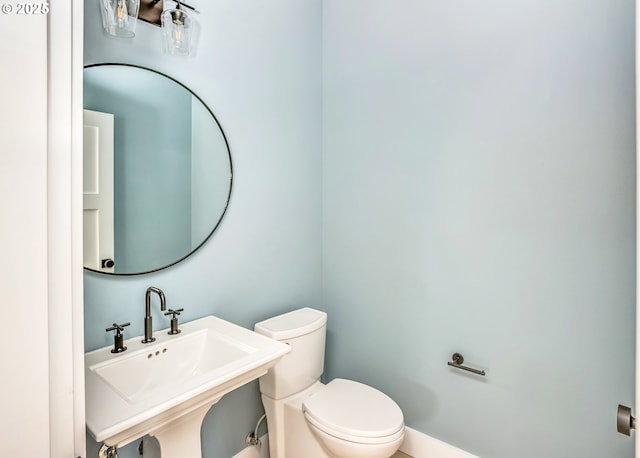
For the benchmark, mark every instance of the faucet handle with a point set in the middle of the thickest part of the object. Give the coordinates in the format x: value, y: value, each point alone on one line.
x: 117, y: 327
x: 118, y: 338
x: 174, y: 320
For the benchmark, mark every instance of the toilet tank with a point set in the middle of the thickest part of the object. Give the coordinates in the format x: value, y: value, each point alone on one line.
x: 304, y: 329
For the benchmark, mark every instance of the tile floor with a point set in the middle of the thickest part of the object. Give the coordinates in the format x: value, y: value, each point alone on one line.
x: 400, y: 455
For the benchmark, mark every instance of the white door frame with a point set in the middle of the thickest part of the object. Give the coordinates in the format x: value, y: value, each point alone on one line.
x: 637, y: 362
x: 24, y: 390
x: 41, y: 276
x: 64, y: 229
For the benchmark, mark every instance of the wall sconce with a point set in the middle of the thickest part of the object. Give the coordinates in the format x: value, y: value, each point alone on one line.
x: 119, y: 19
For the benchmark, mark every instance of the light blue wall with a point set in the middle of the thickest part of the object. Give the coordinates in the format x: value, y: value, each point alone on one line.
x: 210, y: 174
x: 259, y: 69
x: 478, y: 196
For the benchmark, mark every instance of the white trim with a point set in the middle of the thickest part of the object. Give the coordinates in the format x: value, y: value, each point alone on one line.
x: 637, y: 402
x: 419, y: 445
x: 64, y: 231
x: 637, y: 388
x: 77, y: 274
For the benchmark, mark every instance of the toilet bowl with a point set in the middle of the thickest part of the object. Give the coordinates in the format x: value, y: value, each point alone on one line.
x: 342, y: 419
x: 352, y: 419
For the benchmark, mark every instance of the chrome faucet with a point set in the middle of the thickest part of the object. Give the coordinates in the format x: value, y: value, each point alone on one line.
x: 148, y: 328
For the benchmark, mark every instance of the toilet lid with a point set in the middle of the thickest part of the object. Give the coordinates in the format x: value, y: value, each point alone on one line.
x: 348, y: 408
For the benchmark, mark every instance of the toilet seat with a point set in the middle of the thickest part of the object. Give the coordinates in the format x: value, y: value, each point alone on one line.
x: 354, y: 412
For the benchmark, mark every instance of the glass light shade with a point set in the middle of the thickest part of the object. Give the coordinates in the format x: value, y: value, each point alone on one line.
x: 119, y: 17
x: 177, y: 29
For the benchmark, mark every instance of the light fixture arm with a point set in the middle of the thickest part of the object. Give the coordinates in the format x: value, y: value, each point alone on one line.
x: 181, y: 4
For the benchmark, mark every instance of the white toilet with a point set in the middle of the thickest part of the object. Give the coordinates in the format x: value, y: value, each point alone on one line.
x: 342, y: 419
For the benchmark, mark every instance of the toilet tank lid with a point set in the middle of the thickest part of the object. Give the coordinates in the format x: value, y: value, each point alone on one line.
x: 293, y: 324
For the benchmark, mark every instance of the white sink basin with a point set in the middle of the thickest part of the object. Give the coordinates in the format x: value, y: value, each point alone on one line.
x: 150, y: 386
x: 168, y: 365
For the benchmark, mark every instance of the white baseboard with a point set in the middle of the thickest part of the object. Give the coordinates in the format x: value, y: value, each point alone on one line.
x: 416, y: 444
x: 419, y: 445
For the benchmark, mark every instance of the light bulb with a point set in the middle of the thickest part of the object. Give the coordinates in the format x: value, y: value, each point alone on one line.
x: 121, y: 13
x: 177, y: 33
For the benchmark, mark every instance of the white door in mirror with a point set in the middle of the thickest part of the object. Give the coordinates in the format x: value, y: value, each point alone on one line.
x: 98, y: 191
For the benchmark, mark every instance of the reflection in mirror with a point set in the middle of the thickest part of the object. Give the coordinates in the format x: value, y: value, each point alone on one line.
x: 170, y: 165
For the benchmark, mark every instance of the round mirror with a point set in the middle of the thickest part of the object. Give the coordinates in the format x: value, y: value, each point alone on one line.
x: 157, y: 170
